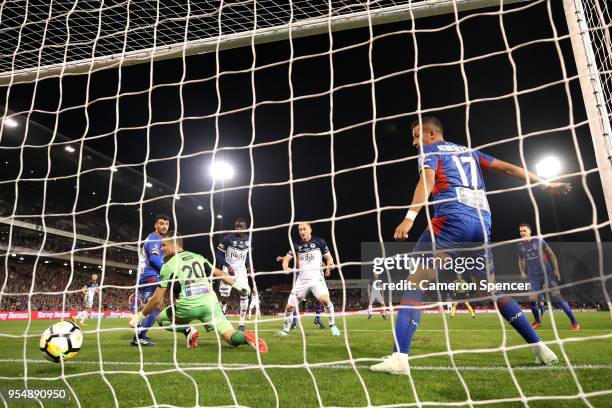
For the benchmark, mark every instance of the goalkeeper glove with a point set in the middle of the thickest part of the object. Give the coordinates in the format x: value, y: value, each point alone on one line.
x: 137, y: 319
x: 243, y: 291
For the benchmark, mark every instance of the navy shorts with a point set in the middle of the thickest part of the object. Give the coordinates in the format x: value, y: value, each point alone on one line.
x: 539, y: 282
x: 460, y: 236
x: 147, y: 291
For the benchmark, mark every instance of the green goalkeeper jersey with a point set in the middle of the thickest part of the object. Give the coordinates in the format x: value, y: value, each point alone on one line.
x: 186, y: 274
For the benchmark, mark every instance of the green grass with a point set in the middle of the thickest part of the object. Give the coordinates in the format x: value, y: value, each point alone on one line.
x: 175, y: 374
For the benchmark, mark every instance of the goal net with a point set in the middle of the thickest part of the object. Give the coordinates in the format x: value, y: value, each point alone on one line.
x: 287, y: 114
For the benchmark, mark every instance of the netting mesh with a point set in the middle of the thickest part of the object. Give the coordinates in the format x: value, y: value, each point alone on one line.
x: 318, y: 128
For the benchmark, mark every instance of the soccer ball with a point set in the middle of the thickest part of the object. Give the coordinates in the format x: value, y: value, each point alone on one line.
x: 61, y: 341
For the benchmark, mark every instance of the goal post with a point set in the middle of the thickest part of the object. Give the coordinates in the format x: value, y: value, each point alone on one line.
x: 322, y: 20
x: 591, y: 69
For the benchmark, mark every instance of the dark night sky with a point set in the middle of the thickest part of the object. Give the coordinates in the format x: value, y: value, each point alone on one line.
x: 393, y: 57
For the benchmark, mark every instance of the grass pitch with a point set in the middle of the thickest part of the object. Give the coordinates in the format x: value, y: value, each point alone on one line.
x: 108, y: 369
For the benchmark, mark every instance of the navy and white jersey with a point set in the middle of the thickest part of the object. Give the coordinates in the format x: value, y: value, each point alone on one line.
x: 375, y: 277
x: 310, y: 257
x: 91, y: 289
x: 534, y: 254
x: 234, y: 251
x: 458, y: 179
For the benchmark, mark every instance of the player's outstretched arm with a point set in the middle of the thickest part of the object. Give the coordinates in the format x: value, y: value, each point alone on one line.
x: 286, y: 261
x: 419, y: 198
x: 522, y: 174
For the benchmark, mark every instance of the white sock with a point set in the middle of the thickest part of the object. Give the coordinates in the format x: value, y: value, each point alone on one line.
x: 288, y: 319
x: 330, y: 314
x: 244, y: 305
x: 84, y: 316
x: 369, y: 310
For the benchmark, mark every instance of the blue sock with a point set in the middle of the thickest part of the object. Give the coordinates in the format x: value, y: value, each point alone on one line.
x: 542, y: 311
x: 568, y: 311
x: 148, y: 322
x: 512, y: 312
x: 318, y: 311
x: 408, y: 319
x: 294, y: 322
x: 536, y: 312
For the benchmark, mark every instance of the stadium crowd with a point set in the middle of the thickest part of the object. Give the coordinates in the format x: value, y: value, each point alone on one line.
x: 54, y: 286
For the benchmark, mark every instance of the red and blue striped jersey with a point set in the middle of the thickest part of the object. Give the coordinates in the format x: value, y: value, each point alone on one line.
x: 535, y: 256
x: 459, y: 187
x: 151, y: 259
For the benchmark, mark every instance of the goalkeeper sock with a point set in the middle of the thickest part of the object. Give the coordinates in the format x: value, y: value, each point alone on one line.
x: 568, y: 311
x: 512, y: 312
x: 148, y: 322
x: 535, y: 309
x: 238, y: 338
x: 330, y: 314
x: 453, y: 310
x: 408, y: 319
x: 244, y: 305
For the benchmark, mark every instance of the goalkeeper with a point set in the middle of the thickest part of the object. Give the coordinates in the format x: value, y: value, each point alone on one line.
x: 192, y: 297
x: 461, y: 292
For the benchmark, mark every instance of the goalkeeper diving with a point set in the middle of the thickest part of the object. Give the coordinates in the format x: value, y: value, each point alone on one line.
x: 192, y: 297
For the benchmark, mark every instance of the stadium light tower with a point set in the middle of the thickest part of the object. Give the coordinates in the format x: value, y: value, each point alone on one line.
x: 548, y: 167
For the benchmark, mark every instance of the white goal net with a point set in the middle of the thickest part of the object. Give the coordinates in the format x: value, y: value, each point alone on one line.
x: 284, y: 114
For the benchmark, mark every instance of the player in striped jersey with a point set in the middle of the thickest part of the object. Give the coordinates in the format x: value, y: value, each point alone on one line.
x: 89, y: 291
x: 539, y: 263
x: 452, y: 175
x: 310, y: 251
x: 233, y: 258
x: 149, y: 266
x: 375, y: 295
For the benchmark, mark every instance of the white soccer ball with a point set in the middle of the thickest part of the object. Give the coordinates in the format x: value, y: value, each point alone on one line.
x: 61, y: 341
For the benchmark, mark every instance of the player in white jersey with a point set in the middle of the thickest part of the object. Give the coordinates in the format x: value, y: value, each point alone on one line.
x: 254, y: 305
x: 375, y: 295
x: 233, y: 258
x: 311, y: 251
x: 89, y: 290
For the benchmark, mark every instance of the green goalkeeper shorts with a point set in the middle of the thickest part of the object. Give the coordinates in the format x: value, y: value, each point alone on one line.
x: 210, y: 314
